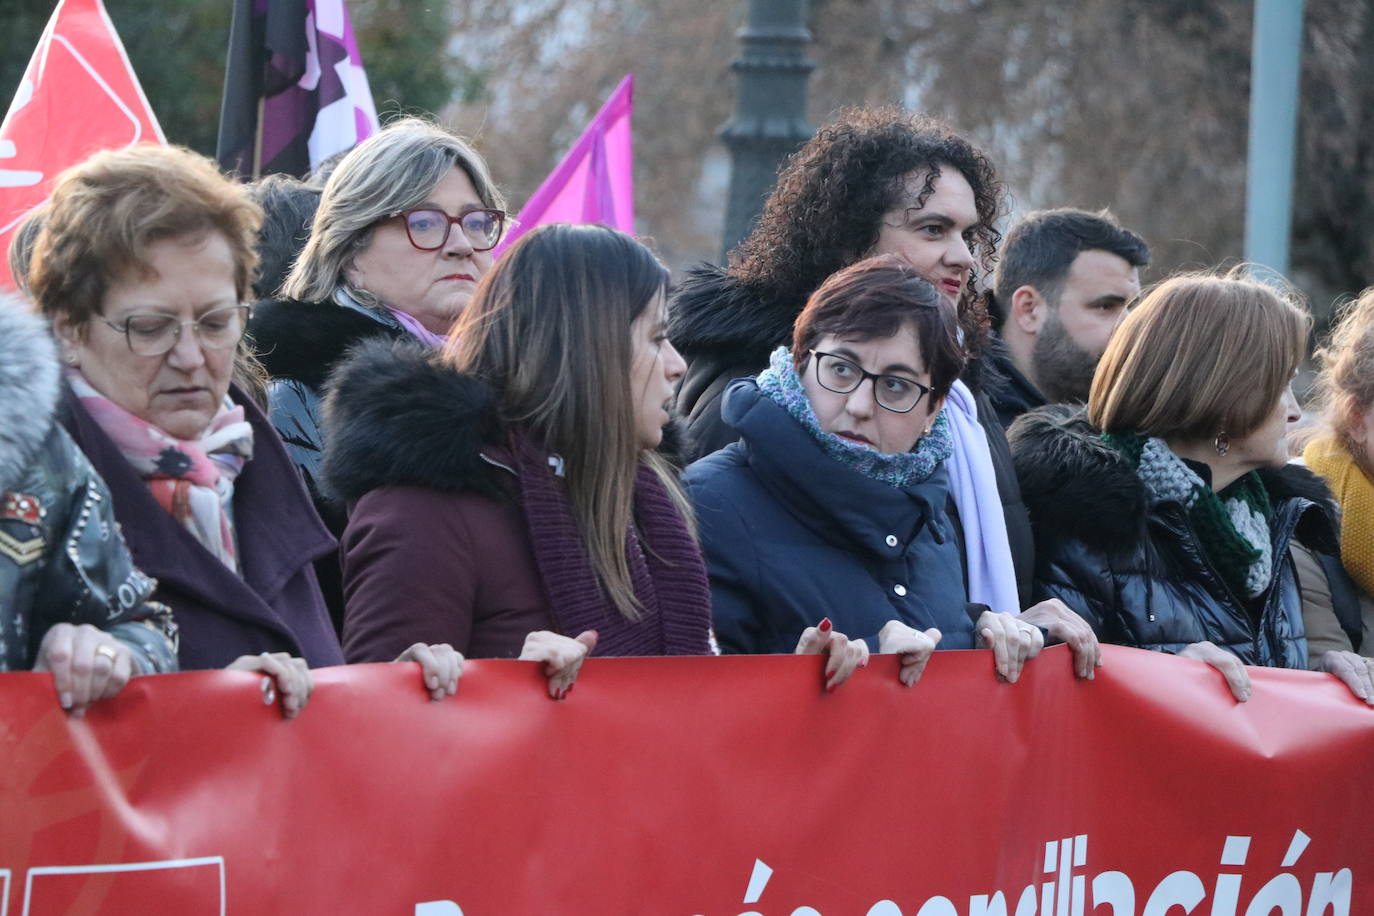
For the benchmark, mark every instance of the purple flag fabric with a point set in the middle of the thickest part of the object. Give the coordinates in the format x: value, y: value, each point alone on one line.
x: 595, y: 181
x: 295, y: 92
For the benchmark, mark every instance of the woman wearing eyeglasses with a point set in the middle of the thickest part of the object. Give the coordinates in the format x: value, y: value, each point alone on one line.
x: 833, y: 501
x: 404, y: 231
x: 142, y: 267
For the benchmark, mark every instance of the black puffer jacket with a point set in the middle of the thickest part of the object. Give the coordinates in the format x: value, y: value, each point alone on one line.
x: 726, y: 331
x: 1135, y: 570
x: 300, y: 343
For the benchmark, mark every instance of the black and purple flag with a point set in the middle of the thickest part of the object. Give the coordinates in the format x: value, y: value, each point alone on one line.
x: 294, y: 88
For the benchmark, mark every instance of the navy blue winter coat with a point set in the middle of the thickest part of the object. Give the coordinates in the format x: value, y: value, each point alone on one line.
x: 791, y: 536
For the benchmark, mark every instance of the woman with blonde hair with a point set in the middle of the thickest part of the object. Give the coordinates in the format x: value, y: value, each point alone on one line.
x: 505, y: 491
x: 1164, y: 515
x: 404, y: 231
x: 1341, y: 450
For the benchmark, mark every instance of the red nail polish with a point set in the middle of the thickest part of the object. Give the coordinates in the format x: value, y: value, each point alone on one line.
x: 824, y: 625
x: 830, y: 688
x: 569, y: 690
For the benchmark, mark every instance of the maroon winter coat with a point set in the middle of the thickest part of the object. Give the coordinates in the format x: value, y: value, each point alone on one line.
x: 446, y: 541
x: 276, y: 605
x: 480, y: 591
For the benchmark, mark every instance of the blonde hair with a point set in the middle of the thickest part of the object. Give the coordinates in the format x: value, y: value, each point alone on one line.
x: 1345, y: 381
x: 106, y: 211
x: 393, y: 169
x: 1201, y: 355
x: 549, y: 329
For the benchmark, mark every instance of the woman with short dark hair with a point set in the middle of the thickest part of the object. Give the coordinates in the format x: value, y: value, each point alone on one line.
x: 833, y: 500
x: 872, y: 181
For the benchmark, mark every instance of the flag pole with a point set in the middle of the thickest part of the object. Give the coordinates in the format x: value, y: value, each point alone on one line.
x: 257, y: 139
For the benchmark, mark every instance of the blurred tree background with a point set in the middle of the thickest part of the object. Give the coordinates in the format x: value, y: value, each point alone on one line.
x: 1140, y: 105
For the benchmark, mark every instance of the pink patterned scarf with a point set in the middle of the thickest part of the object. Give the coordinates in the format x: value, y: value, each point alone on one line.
x: 192, y: 480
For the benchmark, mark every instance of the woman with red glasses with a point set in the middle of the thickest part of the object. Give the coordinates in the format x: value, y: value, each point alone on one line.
x: 404, y: 230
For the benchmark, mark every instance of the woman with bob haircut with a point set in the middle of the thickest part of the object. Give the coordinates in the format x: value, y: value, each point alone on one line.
x: 833, y: 500
x: 143, y: 265
x: 1165, y: 514
x: 505, y: 493
x: 872, y: 181
x: 1341, y: 450
x: 404, y: 230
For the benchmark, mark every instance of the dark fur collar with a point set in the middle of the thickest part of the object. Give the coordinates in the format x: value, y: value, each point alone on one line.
x: 1074, y: 482
x: 303, y: 341
x: 395, y: 415
x: 712, y: 312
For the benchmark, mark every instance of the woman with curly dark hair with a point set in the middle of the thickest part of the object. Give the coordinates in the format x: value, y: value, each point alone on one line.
x: 873, y: 181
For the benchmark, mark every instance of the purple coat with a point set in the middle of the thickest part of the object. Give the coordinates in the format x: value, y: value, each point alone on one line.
x: 276, y: 606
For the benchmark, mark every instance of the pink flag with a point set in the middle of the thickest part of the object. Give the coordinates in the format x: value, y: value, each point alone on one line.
x: 595, y: 182
x: 78, y: 95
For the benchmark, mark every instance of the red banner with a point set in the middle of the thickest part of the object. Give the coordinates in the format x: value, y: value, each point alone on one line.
x: 697, y: 786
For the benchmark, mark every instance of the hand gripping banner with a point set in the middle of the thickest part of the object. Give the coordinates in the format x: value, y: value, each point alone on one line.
x: 697, y: 787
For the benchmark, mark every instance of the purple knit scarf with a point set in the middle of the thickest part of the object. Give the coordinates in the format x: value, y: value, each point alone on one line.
x: 666, y: 567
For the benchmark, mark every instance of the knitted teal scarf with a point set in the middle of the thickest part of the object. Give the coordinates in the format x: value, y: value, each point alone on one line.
x: 782, y: 385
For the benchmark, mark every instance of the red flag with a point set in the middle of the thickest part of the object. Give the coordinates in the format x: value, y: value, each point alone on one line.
x: 78, y: 95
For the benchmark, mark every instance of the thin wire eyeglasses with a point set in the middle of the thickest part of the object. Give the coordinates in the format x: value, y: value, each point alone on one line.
x: 154, y: 335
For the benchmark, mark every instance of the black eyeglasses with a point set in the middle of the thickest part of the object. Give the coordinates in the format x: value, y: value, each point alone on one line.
x: 154, y: 335
x: 428, y: 229
x: 843, y: 376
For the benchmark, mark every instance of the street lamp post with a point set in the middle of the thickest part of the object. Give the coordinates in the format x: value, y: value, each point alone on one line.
x: 769, y: 121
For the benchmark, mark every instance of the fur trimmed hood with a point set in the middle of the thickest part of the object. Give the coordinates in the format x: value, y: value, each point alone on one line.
x: 30, y: 382
x: 304, y: 341
x: 396, y: 415
x: 1074, y: 482
x: 712, y: 312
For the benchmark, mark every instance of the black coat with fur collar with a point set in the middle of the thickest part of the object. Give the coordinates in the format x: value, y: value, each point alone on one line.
x: 300, y: 344
x: 1136, y: 571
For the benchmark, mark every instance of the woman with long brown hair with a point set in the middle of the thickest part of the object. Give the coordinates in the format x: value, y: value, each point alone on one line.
x: 506, y: 491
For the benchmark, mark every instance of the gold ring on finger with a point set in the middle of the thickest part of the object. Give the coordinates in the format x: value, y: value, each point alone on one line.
x: 108, y: 651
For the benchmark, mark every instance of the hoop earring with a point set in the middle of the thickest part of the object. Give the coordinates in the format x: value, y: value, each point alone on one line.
x: 1222, y: 443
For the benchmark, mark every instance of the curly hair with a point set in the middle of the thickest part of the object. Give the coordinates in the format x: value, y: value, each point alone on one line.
x: 826, y: 210
x: 1345, y: 382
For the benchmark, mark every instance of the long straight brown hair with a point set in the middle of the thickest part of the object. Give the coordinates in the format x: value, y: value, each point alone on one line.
x: 549, y: 329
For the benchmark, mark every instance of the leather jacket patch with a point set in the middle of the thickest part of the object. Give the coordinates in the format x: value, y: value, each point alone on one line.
x: 21, y: 507
x: 21, y: 552
x: 27, y: 510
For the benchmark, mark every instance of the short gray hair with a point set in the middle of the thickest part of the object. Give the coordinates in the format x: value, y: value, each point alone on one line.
x: 393, y: 169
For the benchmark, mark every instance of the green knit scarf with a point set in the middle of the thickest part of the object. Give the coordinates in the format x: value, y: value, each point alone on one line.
x: 1233, y: 526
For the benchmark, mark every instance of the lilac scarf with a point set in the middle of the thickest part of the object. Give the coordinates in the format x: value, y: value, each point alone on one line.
x: 666, y: 566
x: 973, y: 484
x: 411, y: 324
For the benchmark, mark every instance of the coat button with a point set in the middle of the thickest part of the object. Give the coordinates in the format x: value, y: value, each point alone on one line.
x: 900, y: 589
x: 891, y: 540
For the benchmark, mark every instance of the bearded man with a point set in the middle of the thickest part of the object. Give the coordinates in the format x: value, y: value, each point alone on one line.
x: 1065, y: 281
